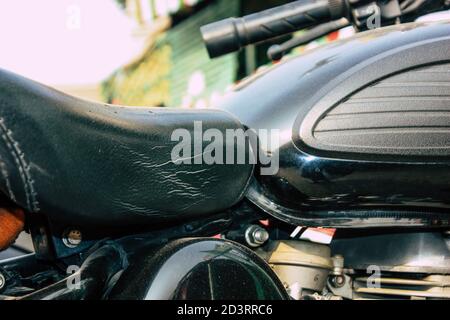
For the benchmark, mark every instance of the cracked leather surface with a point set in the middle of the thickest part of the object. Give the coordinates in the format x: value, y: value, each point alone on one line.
x: 93, y: 164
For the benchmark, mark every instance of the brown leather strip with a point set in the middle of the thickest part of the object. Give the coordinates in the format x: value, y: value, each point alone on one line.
x: 12, y: 222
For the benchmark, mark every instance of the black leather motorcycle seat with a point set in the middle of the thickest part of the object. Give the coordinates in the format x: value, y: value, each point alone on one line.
x: 86, y: 163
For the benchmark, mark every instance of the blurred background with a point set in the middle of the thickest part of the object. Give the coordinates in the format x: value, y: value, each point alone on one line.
x: 131, y: 52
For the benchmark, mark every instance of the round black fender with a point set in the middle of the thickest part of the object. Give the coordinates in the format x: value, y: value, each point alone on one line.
x: 198, y: 269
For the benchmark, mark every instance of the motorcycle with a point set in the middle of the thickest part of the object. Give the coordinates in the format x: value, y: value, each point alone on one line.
x: 351, y: 201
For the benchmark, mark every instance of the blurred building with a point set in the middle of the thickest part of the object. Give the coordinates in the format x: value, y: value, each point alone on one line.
x: 175, y: 69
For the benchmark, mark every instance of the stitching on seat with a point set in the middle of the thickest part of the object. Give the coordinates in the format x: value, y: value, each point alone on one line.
x: 4, y: 172
x: 22, y: 166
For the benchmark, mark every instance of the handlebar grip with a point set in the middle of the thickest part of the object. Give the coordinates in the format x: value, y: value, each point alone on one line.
x: 232, y: 34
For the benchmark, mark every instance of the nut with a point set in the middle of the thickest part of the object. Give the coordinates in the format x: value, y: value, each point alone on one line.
x: 72, y: 238
x: 256, y: 236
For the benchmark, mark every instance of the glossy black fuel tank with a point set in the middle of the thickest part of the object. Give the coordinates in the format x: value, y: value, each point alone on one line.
x: 365, y: 130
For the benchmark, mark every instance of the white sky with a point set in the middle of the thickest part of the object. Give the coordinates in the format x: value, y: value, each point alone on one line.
x: 48, y: 41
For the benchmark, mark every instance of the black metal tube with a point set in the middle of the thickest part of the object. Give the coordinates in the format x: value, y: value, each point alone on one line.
x: 95, y: 274
x: 276, y: 52
x: 232, y: 34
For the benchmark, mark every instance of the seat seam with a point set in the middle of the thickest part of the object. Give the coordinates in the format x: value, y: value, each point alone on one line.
x: 4, y: 172
x: 21, y: 164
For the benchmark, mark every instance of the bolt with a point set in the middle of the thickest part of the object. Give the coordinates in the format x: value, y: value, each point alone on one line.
x: 260, y: 236
x: 338, y: 265
x: 72, y: 238
x: 339, y: 281
x: 256, y: 236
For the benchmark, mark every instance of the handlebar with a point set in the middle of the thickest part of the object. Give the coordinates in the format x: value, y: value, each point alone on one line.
x: 232, y: 34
